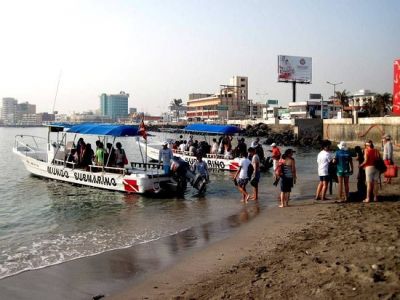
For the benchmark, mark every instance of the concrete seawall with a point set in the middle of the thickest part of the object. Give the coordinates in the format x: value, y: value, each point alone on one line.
x: 366, y: 129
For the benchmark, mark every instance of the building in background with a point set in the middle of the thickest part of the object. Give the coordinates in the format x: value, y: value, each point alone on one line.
x: 9, y: 110
x: 231, y: 102
x: 89, y: 117
x: 255, y: 110
x: 114, y: 106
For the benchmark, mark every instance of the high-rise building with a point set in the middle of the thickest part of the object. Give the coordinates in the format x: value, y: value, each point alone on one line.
x: 114, y: 106
x: 9, y: 110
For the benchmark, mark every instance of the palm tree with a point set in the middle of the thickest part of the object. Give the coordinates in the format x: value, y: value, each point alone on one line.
x: 343, y: 98
x: 176, y: 104
x: 384, y: 103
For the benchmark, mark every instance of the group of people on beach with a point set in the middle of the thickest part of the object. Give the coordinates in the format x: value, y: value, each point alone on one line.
x: 334, y: 165
x: 371, y: 164
x: 83, y: 155
x: 249, y: 171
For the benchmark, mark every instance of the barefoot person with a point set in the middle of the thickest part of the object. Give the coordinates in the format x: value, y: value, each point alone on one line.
x: 323, y: 160
x: 242, y: 176
x: 288, y: 177
x: 371, y: 155
x: 255, y: 161
x: 344, y: 163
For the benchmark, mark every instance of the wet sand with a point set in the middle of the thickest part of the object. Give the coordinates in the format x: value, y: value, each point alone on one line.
x: 307, y: 251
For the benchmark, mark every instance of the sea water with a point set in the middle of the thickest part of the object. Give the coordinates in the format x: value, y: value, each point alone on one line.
x: 45, y: 222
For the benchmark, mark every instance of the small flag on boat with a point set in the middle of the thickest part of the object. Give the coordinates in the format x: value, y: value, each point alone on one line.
x: 142, y: 130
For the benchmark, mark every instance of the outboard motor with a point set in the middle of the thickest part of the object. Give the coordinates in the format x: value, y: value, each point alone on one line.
x: 266, y: 163
x: 181, y: 173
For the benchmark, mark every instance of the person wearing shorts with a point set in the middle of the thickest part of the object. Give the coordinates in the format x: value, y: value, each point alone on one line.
x: 241, y: 176
x: 288, y: 177
x: 371, y: 173
x: 323, y: 160
x: 344, y: 163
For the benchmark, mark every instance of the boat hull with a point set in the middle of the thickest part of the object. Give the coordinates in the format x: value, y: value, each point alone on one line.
x: 139, y: 183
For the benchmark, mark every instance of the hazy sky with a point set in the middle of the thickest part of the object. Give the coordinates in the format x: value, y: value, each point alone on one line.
x: 160, y: 50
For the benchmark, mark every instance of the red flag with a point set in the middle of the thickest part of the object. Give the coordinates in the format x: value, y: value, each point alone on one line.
x: 142, y: 130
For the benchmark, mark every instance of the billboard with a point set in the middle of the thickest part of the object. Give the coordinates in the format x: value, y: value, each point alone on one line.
x: 396, y: 87
x: 294, y: 69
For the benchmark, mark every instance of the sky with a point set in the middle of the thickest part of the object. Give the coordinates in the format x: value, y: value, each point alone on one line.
x: 160, y: 50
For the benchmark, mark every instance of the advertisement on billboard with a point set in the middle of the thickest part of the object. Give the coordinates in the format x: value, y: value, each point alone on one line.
x: 294, y: 69
x: 396, y: 87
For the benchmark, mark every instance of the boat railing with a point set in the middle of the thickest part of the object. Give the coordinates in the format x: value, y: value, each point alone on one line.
x: 19, y: 137
x: 97, y: 168
x: 33, y: 150
x: 68, y: 164
x: 142, y: 165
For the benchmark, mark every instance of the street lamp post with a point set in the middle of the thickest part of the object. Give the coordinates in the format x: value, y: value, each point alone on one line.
x: 334, y: 84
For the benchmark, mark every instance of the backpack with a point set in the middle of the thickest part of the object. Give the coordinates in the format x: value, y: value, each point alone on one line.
x: 250, y: 170
x: 279, y: 170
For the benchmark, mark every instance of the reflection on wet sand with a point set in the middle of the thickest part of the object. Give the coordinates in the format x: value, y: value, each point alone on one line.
x: 118, y: 268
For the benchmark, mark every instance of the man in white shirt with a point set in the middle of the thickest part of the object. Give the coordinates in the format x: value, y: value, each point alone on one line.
x: 323, y: 160
x: 182, y: 146
x: 165, y: 155
x: 242, y: 178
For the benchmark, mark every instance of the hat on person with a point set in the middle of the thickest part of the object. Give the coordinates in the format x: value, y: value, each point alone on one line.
x: 273, y: 145
x: 342, y: 145
x: 165, y: 143
x: 289, y: 151
x: 387, y: 137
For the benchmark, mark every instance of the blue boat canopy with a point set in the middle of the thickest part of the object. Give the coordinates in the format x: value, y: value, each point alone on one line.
x: 105, y: 129
x: 216, y: 129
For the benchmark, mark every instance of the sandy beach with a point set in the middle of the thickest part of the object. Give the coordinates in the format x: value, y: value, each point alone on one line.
x: 307, y: 251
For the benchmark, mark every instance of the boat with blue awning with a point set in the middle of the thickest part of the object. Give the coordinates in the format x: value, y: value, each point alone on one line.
x: 214, y: 161
x: 50, y: 159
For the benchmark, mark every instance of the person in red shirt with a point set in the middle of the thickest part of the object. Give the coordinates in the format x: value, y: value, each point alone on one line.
x: 371, y: 173
x: 276, y: 155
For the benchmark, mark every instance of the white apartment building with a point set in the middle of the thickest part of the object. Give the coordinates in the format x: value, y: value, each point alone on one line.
x: 361, y: 98
x: 312, y: 109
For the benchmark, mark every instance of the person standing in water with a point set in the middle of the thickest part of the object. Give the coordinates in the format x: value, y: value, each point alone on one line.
x: 165, y: 155
x: 241, y: 176
x: 255, y: 161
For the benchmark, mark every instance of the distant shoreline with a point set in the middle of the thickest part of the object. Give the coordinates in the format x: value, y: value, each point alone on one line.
x: 21, y: 126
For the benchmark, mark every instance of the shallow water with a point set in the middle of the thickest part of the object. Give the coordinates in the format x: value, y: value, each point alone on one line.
x: 45, y: 222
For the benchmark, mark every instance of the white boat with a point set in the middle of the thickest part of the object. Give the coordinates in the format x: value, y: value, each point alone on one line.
x: 49, y: 161
x: 214, y: 161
